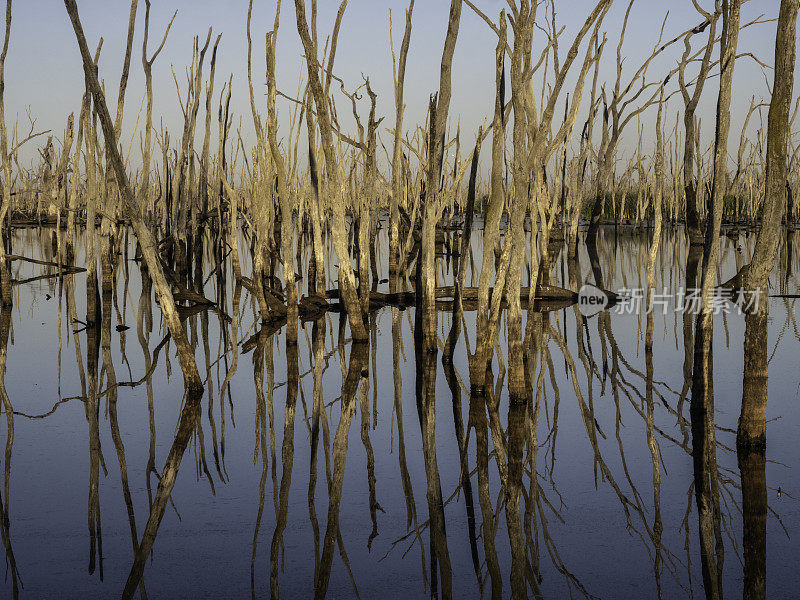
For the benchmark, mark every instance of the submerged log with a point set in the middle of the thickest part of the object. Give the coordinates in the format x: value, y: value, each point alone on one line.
x: 314, y: 307
x: 543, y: 292
x: 546, y: 296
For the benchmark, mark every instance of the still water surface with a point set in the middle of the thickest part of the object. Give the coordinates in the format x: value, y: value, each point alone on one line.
x: 607, y: 502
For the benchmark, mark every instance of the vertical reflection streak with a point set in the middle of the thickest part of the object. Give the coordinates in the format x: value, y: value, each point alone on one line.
x: 356, y: 373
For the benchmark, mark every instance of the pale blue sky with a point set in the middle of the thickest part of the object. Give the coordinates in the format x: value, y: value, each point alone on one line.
x: 44, y: 74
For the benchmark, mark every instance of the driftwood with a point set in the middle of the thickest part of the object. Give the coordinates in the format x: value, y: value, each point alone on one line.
x: 71, y: 268
x: 65, y: 271
x: 469, y: 296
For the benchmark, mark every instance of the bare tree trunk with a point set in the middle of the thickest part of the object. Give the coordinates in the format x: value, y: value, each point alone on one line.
x: 204, y: 182
x: 185, y: 352
x: 576, y: 190
x: 492, y: 215
x: 702, y: 401
x: 731, y: 10
x: 5, y: 271
x: 521, y: 164
x: 658, y: 195
x: 347, y: 282
x: 397, y: 155
x: 693, y: 219
x: 315, y: 210
x: 72, y: 205
x: 440, y: 107
x: 147, y: 65
x: 192, y: 381
x: 752, y: 420
x: 777, y: 135
x: 126, y: 67
x: 287, y: 224
x: 92, y: 193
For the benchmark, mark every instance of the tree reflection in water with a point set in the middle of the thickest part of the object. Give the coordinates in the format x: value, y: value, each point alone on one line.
x: 525, y: 460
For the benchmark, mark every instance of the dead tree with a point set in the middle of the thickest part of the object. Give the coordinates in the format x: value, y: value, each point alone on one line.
x: 399, y: 73
x: 287, y: 225
x: 702, y: 401
x: 621, y: 109
x: 163, y: 290
x: 335, y: 191
x: 432, y: 206
x: 694, y: 226
x: 752, y: 421
x: 5, y: 272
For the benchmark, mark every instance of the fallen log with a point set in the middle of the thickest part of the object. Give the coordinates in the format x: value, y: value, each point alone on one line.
x: 544, y: 294
x: 73, y: 268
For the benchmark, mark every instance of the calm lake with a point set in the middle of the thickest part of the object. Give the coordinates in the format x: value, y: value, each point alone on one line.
x: 329, y: 461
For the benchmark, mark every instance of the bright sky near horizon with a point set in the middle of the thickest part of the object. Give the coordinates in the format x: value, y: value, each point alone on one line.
x: 44, y: 73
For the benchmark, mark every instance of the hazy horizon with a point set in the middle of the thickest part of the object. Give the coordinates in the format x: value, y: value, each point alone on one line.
x: 44, y: 72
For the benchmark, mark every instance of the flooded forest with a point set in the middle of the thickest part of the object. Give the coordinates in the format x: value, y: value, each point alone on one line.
x: 553, y: 356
